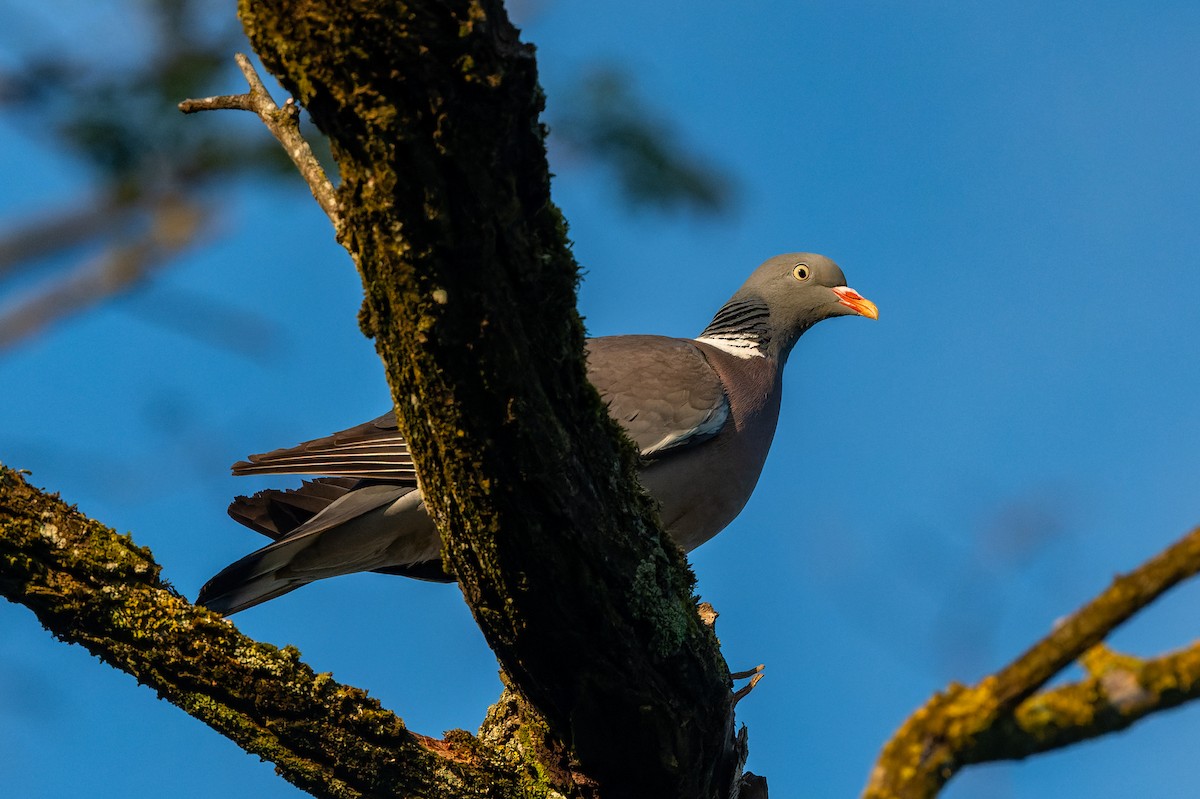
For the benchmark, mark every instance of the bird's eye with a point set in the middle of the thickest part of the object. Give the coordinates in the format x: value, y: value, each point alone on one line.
x: 801, y: 271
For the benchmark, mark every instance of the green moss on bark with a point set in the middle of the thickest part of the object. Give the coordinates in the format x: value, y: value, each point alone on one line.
x: 90, y: 586
x: 432, y: 110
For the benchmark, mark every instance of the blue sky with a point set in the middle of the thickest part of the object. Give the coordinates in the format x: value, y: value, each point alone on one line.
x: 1015, y: 185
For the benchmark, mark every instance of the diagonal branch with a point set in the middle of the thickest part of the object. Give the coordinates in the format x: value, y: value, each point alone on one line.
x: 1002, y: 717
x: 1089, y: 625
x: 1119, y: 690
x: 122, y: 266
x: 91, y: 586
x: 284, y: 124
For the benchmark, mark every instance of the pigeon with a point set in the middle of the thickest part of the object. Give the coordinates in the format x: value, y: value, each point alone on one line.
x: 702, y: 412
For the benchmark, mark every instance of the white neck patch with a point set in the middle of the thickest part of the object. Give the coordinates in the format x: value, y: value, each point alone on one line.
x: 744, y: 346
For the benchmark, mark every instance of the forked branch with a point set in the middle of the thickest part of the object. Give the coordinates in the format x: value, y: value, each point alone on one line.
x: 284, y: 124
x: 1004, y: 717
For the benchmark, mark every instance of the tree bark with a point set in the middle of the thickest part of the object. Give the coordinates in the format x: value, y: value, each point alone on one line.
x: 432, y: 110
x: 92, y: 587
x: 616, y: 688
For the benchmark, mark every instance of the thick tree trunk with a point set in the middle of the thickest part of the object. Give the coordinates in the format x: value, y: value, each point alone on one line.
x: 432, y: 109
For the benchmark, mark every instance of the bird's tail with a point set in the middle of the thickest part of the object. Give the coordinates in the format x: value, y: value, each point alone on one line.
x: 377, y: 525
x: 275, y: 513
x: 254, y: 579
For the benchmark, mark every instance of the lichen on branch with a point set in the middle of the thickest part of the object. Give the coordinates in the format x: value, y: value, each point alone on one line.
x: 90, y: 586
x: 1006, y: 716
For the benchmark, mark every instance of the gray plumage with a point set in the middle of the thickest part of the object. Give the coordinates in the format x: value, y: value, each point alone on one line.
x: 702, y: 411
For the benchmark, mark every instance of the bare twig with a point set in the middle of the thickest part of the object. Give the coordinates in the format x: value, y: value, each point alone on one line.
x: 973, y: 724
x: 741, y: 675
x: 284, y: 124
x: 755, y: 674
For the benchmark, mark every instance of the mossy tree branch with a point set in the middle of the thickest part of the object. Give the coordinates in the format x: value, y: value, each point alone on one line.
x: 1005, y: 717
x: 89, y: 586
x: 1119, y: 690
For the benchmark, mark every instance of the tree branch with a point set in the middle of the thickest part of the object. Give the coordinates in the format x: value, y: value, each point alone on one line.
x: 1001, y: 717
x: 92, y: 587
x: 284, y: 124
x: 55, y: 232
x: 1088, y: 626
x: 125, y: 264
x: 1119, y: 691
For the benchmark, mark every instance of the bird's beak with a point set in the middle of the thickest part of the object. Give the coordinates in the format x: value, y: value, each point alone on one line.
x: 856, y: 302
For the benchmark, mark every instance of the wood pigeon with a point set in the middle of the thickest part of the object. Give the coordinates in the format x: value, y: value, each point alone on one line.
x: 702, y: 411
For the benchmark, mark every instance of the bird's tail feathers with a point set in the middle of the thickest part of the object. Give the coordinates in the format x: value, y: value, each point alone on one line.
x: 276, y: 513
x: 254, y: 579
x: 246, y: 595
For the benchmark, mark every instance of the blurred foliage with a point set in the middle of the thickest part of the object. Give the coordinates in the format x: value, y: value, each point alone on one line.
x: 605, y: 120
x: 109, y: 105
x: 152, y: 181
x: 119, y: 119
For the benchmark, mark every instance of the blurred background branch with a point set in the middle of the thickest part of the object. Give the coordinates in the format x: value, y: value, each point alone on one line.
x: 152, y: 173
x: 172, y: 224
x: 605, y: 121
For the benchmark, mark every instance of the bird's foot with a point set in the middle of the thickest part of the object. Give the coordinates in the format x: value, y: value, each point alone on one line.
x: 755, y: 674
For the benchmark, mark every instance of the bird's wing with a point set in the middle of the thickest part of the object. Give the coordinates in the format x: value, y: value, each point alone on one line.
x: 661, y: 390
x: 373, y: 450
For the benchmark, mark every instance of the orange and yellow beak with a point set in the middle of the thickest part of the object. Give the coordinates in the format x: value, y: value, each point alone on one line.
x: 856, y: 302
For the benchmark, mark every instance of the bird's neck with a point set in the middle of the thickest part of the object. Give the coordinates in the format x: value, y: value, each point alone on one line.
x: 742, y: 328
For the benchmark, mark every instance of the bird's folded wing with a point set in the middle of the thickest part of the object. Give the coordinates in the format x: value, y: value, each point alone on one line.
x: 661, y: 390
x: 373, y: 450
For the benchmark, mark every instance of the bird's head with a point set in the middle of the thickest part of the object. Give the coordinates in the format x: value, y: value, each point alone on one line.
x: 785, y: 296
x: 800, y: 289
